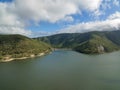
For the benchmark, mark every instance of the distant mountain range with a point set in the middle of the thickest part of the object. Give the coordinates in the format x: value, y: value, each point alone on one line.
x: 18, y: 46
x: 89, y: 43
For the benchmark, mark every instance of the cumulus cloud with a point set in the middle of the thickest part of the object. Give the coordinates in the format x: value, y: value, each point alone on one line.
x: 44, y: 10
x: 7, y: 17
x: 116, y: 15
x: 14, y: 30
x: 10, y: 22
x: 15, y: 15
x: 53, y: 10
x: 111, y: 23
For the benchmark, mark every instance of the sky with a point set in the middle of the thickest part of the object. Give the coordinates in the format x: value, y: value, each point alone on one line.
x: 34, y: 18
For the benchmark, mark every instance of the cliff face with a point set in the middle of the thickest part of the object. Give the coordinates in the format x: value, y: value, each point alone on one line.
x: 101, y: 49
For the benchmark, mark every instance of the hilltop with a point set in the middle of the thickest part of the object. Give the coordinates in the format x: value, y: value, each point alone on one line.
x: 18, y: 46
x: 89, y: 43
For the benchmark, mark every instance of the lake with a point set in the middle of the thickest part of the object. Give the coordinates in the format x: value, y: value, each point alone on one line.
x: 63, y: 70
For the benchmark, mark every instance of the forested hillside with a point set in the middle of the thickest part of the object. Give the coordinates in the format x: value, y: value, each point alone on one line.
x: 91, y: 42
x: 16, y: 46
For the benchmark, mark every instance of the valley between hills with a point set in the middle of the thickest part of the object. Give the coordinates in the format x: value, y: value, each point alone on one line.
x: 16, y: 47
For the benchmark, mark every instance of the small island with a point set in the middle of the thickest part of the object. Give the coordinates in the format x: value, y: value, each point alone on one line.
x: 17, y: 47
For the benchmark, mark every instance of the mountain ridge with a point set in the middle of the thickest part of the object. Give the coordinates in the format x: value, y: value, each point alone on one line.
x: 91, y: 41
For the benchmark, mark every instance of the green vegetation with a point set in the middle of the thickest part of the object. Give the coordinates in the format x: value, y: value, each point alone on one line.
x: 65, y: 40
x: 17, y: 46
x: 90, y: 43
x: 95, y: 45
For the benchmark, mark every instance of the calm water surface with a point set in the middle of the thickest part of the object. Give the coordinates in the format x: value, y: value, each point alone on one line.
x: 63, y: 70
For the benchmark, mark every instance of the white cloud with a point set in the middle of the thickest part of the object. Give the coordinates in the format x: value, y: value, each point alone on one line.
x: 16, y: 15
x: 8, y: 17
x: 112, y: 23
x: 44, y: 10
x: 88, y: 4
x: 67, y: 19
x: 41, y: 33
x: 14, y: 30
x: 116, y: 15
x: 116, y: 2
x: 10, y: 23
x: 53, y: 10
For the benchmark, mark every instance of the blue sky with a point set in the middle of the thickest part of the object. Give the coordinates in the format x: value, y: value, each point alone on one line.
x: 35, y: 18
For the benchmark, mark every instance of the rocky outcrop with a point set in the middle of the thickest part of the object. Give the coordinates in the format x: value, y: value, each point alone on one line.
x: 100, y: 49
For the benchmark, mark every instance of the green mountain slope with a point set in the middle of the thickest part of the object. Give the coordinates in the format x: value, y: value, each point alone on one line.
x: 65, y: 40
x: 114, y: 36
x: 16, y: 46
x: 96, y: 44
x: 91, y: 42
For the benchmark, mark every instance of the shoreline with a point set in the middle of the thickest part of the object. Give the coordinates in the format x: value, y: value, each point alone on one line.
x: 23, y: 58
x: 61, y: 49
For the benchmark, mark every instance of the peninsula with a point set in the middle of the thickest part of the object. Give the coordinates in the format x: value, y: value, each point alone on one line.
x: 16, y: 47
